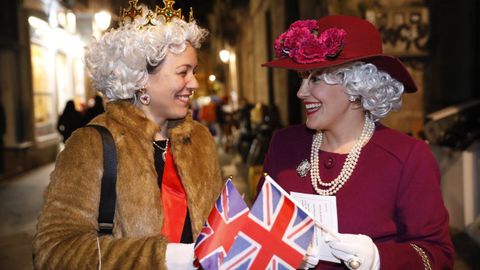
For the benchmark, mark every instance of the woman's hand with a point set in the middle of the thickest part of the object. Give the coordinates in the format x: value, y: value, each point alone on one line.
x: 357, y: 251
x: 180, y: 256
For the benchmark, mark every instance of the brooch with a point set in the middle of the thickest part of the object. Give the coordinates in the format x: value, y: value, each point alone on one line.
x: 303, y: 168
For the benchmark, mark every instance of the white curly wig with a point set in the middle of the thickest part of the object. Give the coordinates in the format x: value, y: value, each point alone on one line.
x: 376, y: 90
x: 117, y: 62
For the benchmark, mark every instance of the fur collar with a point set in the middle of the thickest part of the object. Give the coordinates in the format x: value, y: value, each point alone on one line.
x: 134, y: 120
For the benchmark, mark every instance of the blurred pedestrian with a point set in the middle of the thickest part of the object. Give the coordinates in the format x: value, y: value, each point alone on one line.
x: 94, y: 110
x: 257, y: 114
x: 69, y: 121
x: 195, y: 108
x: 245, y: 109
x: 386, y: 184
x: 168, y: 174
x: 208, y: 116
x: 246, y: 134
x: 220, y: 116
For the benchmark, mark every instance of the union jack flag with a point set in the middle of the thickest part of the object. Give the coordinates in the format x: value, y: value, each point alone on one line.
x: 222, y: 226
x: 276, y: 235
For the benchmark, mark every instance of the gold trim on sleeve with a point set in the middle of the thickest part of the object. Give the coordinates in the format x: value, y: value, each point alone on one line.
x: 423, y: 255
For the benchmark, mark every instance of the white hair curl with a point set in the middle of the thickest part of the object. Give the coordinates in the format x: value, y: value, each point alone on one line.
x: 118, y: 61
x: 376, y: 90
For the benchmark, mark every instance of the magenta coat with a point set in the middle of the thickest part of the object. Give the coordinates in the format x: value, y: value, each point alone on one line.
x: 393, y: 195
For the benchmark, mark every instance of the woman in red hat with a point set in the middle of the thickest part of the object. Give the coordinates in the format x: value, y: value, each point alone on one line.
x: 386, y: 184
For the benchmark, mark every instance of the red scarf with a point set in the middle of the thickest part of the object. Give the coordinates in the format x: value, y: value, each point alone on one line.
x: 174, y: 201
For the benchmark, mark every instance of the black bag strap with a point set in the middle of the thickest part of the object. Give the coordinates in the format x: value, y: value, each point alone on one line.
x: 108, y: 194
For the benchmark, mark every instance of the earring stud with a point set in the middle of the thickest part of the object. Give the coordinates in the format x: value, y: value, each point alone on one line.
x: 144, y: 97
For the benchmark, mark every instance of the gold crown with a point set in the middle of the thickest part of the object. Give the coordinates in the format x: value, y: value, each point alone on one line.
x: 134, y: 12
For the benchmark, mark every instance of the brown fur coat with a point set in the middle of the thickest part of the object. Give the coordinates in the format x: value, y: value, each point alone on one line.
x: 66, y: 235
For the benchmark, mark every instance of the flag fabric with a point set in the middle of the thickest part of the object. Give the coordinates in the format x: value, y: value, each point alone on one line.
x: 228, y: 216
x: 276, y: 235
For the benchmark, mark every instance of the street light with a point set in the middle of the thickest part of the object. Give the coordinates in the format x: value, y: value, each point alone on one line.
x: 224, y: 56
x: 212, y: 78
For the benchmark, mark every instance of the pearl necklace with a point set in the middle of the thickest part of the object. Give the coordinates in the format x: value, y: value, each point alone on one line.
x: 348, y: 166
x: 164, y: 150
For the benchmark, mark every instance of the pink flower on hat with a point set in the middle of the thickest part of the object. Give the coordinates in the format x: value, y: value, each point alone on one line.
x: 309, y: 50
x: 302, y: 43
x: 310, y: 24
x: 332, y: 41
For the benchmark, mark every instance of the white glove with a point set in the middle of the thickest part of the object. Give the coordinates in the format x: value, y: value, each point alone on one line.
x: 310, y: 260
x: 357, y: 251
x: 179, y: 256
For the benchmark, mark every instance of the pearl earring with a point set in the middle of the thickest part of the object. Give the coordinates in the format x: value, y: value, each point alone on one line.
x: 352, y: 98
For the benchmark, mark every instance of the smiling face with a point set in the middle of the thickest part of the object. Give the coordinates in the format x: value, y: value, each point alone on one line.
x: 170, y: 86
x: 326, y: 104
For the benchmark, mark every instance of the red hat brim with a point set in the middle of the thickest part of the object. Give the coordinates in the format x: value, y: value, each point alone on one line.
x: 389, y: 64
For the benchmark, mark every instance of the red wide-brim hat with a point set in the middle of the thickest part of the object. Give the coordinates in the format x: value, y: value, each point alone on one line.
x: 361, y: 42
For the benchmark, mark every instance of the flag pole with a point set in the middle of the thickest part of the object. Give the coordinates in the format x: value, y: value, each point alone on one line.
x: 325, y: 229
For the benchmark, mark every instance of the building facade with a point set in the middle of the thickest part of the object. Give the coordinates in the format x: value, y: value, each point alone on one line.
x: 41, y: 66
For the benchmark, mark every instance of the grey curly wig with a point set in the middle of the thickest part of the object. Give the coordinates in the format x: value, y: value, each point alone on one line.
x: 117, y: 62
x: 376, y: 90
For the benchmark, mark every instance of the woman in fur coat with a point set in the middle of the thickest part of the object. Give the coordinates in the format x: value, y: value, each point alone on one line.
x: 168, y: 175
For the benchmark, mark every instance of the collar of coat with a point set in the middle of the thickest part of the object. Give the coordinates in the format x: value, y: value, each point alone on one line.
x: 126, y: 114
